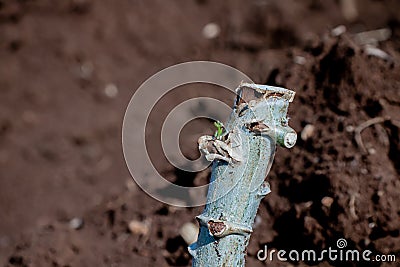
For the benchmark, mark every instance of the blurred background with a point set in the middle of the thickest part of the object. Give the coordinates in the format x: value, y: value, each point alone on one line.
x: 68, y: 70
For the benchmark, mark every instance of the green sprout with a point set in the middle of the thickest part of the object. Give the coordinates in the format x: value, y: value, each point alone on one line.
x: 219, y: 133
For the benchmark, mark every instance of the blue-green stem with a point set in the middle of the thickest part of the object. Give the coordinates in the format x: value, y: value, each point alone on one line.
x: 258, y: 121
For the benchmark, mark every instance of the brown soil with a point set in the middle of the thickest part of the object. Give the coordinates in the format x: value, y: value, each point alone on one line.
x: 60, y: 151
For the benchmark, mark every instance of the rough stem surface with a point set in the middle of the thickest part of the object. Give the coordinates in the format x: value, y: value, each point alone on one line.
x: 241, y: 159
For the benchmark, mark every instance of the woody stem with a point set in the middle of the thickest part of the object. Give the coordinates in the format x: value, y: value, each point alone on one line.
x: 236, y: 189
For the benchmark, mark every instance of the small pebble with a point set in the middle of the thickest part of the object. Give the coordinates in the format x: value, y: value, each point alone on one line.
x: 111, y: 90
x: 300, y: 60
x: 308, y: 204
x: 350, y: 128
x: 86, y: 70
x: 307, y: 132
x: 364, y: 171
x: 339, y: 30
x: 380, y: 193
x: 211, y: 30
x: 189, y: 232
x: 376, y: 52
x: 371, y: 225
x: 372, y: 151
x: 327, y: 201
x: 139, y: 227
x: 76, y: 223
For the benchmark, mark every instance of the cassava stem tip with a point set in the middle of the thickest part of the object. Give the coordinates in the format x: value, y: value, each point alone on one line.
x: 242, y: 157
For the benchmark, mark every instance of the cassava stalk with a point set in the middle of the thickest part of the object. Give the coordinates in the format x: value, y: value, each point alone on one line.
x: 242, y: 155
